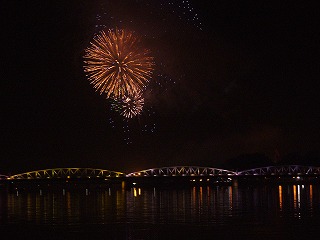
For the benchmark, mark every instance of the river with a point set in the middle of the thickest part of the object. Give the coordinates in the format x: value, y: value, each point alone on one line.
x: 286, y: 211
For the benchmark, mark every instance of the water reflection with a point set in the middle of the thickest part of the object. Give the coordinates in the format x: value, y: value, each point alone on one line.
x: 199, y: 204
x: 294, y: 196
x: 230, y: 198
x: 310, y: 196
x: 280, y: 197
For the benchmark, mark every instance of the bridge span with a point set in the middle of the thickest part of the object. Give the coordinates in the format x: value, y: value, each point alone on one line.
x: 66, y: 173
x: 286, y: 170
x: 172, y: 171
x: 3, y: 177
x: 182, y: 171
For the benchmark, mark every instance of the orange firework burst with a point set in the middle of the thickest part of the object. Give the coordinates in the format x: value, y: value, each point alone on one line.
x: 116, y: 64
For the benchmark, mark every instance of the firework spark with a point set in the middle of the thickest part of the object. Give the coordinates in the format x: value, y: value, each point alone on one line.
x: 116, y: 64
x: 129, y: 106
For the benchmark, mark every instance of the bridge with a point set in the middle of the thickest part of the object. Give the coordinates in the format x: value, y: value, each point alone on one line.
x: 66, y: 173
x: 3, y: 177
x: 173, y: 171
x: 182, y: 171
x: 287, y: 170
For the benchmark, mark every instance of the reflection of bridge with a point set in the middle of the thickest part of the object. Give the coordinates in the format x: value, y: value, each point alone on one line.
x: 179, y: 171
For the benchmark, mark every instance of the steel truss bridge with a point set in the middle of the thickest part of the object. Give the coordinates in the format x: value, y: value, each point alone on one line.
x: 3, y: 177
x: 182, y: 171
x: 289, y: 170
x: 57, y: 173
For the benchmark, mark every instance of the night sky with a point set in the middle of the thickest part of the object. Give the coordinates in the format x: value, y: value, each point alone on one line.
x: 234, y: 81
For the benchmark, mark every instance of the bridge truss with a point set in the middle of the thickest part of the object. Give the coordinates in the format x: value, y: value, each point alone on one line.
x: 282, y: 170
x: 68, y: 173
x: 181, y: 171
x: 2, y: 177
x: 84, y: 173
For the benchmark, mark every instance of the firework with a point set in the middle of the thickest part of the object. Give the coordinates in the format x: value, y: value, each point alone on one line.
x: 116, y: 64
x: 129, y: 106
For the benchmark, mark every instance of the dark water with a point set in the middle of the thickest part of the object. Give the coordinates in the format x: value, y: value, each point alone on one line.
x: 208, y: 212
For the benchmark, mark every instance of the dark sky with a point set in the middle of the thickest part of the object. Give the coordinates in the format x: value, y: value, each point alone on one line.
x: 240, y: 79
